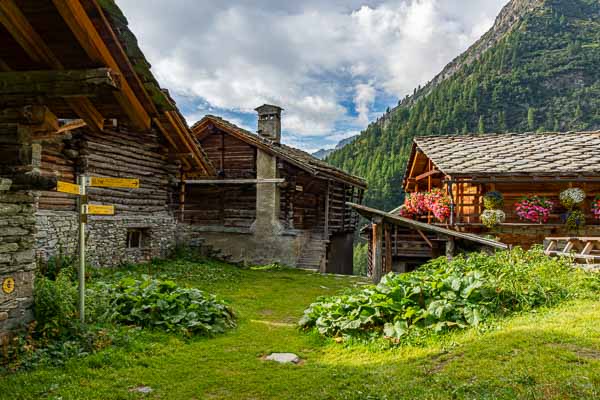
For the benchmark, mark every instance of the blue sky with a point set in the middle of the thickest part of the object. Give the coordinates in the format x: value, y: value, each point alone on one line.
x: 334, y: 66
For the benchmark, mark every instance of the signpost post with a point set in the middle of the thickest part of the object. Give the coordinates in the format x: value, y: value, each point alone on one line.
x: 86, y: 209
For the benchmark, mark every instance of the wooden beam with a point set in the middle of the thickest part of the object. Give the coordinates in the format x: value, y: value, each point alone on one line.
x: 326, y: 228
x: 88, y: 37
x: 233, y: 181
x: 55, y: 83
x: 377, y: 250
x: 167, y: 136
x: 388, y: 248
x: 32, y: 43
x: 425, y: 238
x: 186, y: 137
x: 428, y: 174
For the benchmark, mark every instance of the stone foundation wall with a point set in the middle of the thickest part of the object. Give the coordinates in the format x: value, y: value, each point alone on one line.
x: 106, y: 237
x: 242, y: 246
x: 17, y: 257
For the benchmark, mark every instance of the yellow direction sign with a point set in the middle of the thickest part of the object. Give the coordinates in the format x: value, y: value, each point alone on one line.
x: 114, y: 182
x: 66, y: 187
x: 94, y: 209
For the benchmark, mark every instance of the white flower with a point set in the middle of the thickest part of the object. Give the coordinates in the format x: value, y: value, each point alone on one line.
x: 571, y: 197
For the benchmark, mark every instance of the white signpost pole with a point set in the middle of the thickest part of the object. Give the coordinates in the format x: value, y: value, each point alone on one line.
x: 82, y: 222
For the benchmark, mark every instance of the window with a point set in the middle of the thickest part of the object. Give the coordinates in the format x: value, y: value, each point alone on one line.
x: 136, y: 238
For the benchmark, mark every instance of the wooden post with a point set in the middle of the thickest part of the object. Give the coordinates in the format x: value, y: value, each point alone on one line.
x: 182, y: 198
x: 450, y: 248
x: 377, y: 250
x: 327, y: 212
x: 388, y: 248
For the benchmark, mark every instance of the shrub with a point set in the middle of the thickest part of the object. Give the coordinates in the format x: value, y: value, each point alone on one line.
x: 448, y: 294
x: 164, y: 305
x: 493, y: 200
x: 55, y: 305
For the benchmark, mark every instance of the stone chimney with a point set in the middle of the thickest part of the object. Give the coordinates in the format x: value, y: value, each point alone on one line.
x: 269, y: 122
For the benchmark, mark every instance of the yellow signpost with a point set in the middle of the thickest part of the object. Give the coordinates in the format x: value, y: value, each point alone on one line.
x: 114, y: 182
x: 95, y: 209
x: 70, y: 188
x: 8, y: 285
x: 86, y: 209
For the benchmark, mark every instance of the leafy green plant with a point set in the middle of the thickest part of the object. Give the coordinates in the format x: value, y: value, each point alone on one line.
x: 164, y: 305
x: 448, y: 294
x: 55, y: 304
x: 575, y: 220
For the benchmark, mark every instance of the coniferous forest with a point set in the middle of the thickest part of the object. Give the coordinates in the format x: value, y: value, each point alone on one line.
x: 541, y: 74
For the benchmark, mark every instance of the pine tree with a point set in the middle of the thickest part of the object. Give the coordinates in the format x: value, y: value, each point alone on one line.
x: 531, y: 118
x: 481, y: 125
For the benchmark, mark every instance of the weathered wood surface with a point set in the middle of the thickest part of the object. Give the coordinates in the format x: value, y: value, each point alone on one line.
x: 53, y: 83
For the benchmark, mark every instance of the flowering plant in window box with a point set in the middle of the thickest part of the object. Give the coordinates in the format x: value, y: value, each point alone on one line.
x: 572, y: 197
x: 438, y: 203
x: 492, y: 218
x: 414, y: 205
x: 596, y: 207
x: 493, y: 200
x: 535, y: 209
x: 574, y: 220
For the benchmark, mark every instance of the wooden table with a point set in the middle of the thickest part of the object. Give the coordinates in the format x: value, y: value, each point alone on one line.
x: 580, y: 248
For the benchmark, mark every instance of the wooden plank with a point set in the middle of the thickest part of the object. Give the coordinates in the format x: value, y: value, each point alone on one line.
x: 21, y: 30
x: 88, y: 37
x: 66, y: 187
x: 425, y: 238
x: 59, y: 83
x: 428, y: 174
x: 233, y: 181
x: 377, y: 251
x: 388, y: 248
x: 94, y: 209
x: 96, y: 181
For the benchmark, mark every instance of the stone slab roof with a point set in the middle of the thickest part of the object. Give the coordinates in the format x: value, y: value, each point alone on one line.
x: 514, y: 154
x: 295, y: 156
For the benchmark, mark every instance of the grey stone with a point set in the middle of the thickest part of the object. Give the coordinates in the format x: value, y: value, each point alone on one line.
x: 24, y: 257
x: 8, y: 247
x: 3, y: 316
x: 5, y: 184
x: 14, y: 231
x: 283, y: 358
x: 9, y: 209
x: 142, y: 389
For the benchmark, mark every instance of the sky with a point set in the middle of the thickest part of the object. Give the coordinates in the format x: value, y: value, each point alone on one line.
x: 333, y: 65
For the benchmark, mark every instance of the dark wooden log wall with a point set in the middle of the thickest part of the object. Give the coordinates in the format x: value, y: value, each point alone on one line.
x: 234, y: 158
x: 224, y: 205
x: 117, y: 153
x: 55, y: 162
x: 231, y: 206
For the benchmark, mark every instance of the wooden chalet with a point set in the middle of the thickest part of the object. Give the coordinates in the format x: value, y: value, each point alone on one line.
x: 77, y: 98
x: 271, y: 202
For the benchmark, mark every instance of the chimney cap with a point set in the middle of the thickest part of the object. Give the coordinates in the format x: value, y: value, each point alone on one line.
x: 268, y: 108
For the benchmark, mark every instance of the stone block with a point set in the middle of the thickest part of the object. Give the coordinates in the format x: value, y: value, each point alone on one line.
x: 8, y: 247
x: 3, y: 316
x: 13, y: 231
x: 10, y: 209
x: 5, y: 184
x: 24, y: 257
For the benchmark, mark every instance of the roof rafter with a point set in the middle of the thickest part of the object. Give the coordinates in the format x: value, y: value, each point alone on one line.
x: 88, y: 37
x: 19, y: 27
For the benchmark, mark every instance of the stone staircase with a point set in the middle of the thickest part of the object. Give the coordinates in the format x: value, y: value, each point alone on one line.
x: 314, y: 252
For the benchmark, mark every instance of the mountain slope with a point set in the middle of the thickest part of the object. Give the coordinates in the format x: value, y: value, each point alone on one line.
x: 536, y: 69
x: 323, y: 153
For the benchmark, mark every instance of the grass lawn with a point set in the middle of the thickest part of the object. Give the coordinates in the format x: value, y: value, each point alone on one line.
x: 552, y: 354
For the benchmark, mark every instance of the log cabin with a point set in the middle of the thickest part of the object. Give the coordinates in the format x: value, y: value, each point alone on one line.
x: 517, y: 166
x: 78, y: 99
x: 271, y: 202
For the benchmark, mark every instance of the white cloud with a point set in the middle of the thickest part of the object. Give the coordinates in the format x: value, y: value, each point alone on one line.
x: 325, y: 62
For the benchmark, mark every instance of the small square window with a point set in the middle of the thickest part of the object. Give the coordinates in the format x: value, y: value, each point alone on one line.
x: 136, y: 238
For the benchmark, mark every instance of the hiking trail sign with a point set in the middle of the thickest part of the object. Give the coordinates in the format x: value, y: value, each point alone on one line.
x: 85, y: 209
